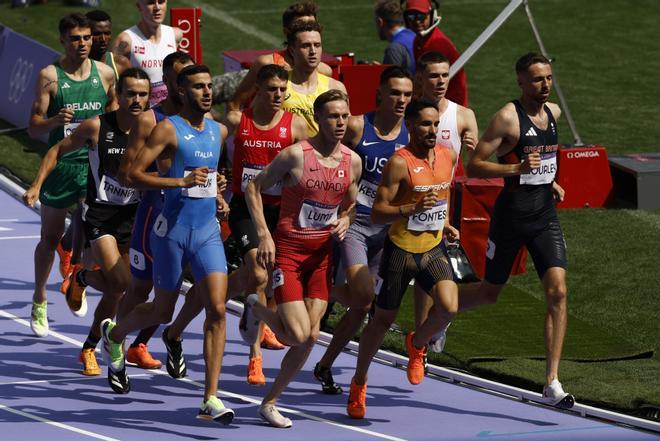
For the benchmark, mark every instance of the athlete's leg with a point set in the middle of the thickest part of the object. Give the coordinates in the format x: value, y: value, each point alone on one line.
x: 147, y: 314
x: 554, y: 285
x: 52, y: 228
x: 213, y: 289
x: 423, y: 304
x: 371, y: 339
x: 77, y: 233
x: 444, y: 306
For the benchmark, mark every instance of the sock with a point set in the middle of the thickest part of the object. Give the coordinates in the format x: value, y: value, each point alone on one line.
x: 91, y: 342
x: 144, y: 336
x: 80, y: 278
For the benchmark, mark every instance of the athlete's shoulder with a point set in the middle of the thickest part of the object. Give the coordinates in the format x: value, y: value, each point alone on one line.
x: 335, y: 84
x: 104, y: 70
x: 264, y: 59
x: 554, y: 109
x: 507, y: 114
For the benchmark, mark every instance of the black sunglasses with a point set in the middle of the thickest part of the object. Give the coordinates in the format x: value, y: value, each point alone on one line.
x: 416, y: 15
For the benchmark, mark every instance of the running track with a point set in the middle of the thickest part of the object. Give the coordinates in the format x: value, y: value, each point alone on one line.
x: 44, y: 396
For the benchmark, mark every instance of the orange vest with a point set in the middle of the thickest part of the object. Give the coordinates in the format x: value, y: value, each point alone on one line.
x: 423, y: 231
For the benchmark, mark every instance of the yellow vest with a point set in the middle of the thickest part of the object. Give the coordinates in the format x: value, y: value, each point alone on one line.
x: 303, y: 105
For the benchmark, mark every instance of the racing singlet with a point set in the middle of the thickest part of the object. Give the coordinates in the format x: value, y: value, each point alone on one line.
x: 278, y: 58
x: 448, y: 135
x: 374, y: 153
x: 309, y: 207
x: 110, y: 61
x: 87, y: 98
x: 103, y: 187
x: 423, y: 231
x: 194, y: 206
x: 149, y: 56
x: 254, y: 149
x: 303, y: 105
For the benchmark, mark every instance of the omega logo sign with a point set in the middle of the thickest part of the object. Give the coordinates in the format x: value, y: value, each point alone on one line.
x: 185, y: 26
x: 580, y: 155
x: 19, y: 79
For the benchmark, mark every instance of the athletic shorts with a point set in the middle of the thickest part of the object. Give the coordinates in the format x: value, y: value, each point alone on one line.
x: 175, y: 245
x: 302, y: 269
x: 242, y: 228
x: 362, y: 245
x: 65, y: 185
x: 398, y: 267
x: 541, y: 235
x: 108, y: 220
x: 140, y: 253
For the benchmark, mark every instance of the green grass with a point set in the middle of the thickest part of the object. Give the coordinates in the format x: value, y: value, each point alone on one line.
x: 607, y: 64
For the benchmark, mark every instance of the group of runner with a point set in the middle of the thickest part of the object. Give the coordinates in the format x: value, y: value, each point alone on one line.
x: 132, y: 130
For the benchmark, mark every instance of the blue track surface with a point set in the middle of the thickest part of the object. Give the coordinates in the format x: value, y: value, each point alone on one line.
x: 44, y: 396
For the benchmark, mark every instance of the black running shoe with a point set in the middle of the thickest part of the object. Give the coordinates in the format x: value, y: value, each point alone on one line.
x: 176, y: 364
x: 119, y: 381
x: 324, y: 375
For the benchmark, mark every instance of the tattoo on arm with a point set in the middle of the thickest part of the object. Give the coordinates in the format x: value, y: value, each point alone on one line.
x: 48, y: 83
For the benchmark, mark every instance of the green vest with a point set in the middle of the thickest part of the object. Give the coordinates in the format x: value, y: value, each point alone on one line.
x: 86, y: 97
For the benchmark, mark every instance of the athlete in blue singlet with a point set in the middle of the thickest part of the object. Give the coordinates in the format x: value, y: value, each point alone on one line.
x: 374, y: 136
x: 187, y: 149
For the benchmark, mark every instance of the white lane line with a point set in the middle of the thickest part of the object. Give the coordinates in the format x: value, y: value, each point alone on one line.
x: 61, y: 380
x: 56, y: 424
x: 229, y: 20
x: 9, y: 220
x: 19, y: 237
x: 224, y: 393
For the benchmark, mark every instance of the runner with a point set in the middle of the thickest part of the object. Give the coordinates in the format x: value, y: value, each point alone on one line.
x: 147, y: 43
x: 187, y: 148
x: 109, y: 207
x: 412, y: 196
x: 101, y: 25
x: 305, y: 81
x: 67, y: 92
x: 319, y: 186
x: 374, y: 137
x: 523, y: 135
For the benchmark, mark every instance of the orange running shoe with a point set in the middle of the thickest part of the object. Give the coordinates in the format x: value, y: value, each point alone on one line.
x: 88, y: 359
x: 416, y: 360
x: 269, y: 340
x: 357, y: 400
x: 255, y: 374
x: 140, y: 356
x: 75, y: 293
x: 65, y: 259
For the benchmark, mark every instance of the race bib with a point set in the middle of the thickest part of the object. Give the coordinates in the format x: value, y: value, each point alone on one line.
x: 316, y: 215
x: 207, y: 190
x: 112, y: 192
x: 70, y: 127
x: 429, y: 220
x: 160, y: 226
x: 545, y: 174
x: 137, y: 259
x: 158, y: 93
x: 366, y: 193
x: 250, y: 171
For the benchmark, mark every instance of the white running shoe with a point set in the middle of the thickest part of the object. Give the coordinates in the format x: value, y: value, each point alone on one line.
x: 214, y: 410
x: 270, y: 413
x: 437, y: 343
x: 554, y: 395
x: 39, y: 319
x: 82, y: 312
x: 249, y: 324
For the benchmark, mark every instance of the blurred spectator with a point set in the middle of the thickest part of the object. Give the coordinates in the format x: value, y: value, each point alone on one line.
x: 390, y: 26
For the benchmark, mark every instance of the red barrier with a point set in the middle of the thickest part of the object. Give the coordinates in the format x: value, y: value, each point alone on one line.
x: 584, y: 172
x: 189, y: 21
x: 361, y: 81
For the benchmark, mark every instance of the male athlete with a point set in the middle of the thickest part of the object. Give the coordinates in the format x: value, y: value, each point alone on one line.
x: 413, y: 197
x: 523, y: 136
x: 148, y: 43
x: 374, y: 136
x: 109, y: 207
x: 101, y: 25
x: 67, y: 92
x: 187, y: 148
x: 319, y: 186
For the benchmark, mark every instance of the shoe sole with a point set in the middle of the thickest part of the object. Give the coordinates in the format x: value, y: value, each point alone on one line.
x: 567, y: 402
x: 224, y: 418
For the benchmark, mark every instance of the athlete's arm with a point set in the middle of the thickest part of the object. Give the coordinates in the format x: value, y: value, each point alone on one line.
x: 121, y: 62
x: 122, y: 46
x: 247, y: 86
x: 108, y: 78
x: 137, y: 138
x: 46, y: 89
x: 324, y: 69
x: 232, y: 120
x: 354, y: 130
x: 85, y: 134
x: 178, y: 35
x: 500, y: 137
x: 334, y: 84
x: 348, y: 203
x: 469, y: 132
x: 299, y: 127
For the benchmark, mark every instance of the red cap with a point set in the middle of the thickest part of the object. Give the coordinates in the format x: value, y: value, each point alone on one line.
x: 418, y: 5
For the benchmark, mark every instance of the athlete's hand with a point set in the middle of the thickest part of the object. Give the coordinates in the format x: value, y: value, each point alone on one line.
x: 531, y: 162
x: 196, y: 177
x: 340, y: 227
x: 222, y: 208
x: 64, y: 116
x: 266, y: 252
x: 451, y: 233
x: 222, y: 183
x: 31, y: 196
x: 558, y: 192
x: 427, y: 202
x: 469, y: 141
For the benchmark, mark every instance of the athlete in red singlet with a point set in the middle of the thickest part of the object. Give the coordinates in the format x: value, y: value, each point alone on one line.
x: 319, y: 187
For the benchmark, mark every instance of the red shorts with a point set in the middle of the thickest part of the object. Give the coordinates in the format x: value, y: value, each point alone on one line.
x: 302, y: 269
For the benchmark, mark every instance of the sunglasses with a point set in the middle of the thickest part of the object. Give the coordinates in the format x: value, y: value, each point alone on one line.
x: 416, y: 15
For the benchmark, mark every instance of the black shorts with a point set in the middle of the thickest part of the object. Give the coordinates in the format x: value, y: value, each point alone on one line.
x: 242, y: 228
x: 398, y: 267
x: 541, y: 234
x: 109, y: 220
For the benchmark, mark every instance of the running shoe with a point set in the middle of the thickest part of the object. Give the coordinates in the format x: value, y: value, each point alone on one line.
x: 269, y: 339
x: 213, y: 410
x: 255, y: 374
x: 65, y: 259
x: 76, y: 297
x: 416, y: 360
x: 139, y: 356
x: 249, y: 324
x: 176, y: 364
x: 39, y: 319
x: 554, y: 395
x: 437, y: 343
x: 357, y: 401
x: 113, y: 353
x: 328, y: 385
x: 273, y: 417
x: 88, y: 359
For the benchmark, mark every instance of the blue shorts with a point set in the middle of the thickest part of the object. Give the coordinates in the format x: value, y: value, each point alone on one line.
x: 140, y: 251
x: 178, y: 245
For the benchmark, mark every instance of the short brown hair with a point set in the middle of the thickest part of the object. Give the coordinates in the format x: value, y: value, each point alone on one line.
x: 72, y: 21
x: 328, y: 96
x: 301, y: 26
x: 390, y: 11
x: 429, y: 58
x: 528, y: 59
x: 296, y: 11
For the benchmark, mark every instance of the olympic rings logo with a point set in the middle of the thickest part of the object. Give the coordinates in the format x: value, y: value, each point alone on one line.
x: 19, y: 79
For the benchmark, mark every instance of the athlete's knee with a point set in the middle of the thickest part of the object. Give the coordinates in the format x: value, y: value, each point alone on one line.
x: 216, y: 312
x: 50, y: 239
x: 361, y: 297
x: 299, y: 336
x: 259, y: 277
x: 489, y: 293
x: 556, y: 294
x: 163, y: 313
